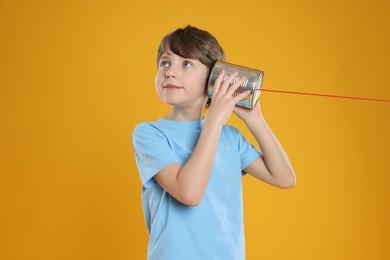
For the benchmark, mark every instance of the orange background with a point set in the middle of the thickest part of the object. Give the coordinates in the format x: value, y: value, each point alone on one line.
x: 77, y: 76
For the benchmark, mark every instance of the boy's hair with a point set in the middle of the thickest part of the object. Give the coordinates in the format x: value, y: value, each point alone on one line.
x: 193, y: 43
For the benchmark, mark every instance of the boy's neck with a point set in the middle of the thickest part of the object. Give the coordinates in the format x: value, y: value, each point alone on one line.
x: 183, y: 115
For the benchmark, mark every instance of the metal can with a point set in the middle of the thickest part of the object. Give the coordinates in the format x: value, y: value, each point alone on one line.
x: 254, y: 81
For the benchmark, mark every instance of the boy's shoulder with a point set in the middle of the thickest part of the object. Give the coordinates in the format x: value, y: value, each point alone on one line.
x: 147, y: 124
x: 145, y: 128
x: 231, y: 129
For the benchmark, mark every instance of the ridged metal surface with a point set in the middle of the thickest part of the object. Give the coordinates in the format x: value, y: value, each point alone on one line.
x: 254, y: 80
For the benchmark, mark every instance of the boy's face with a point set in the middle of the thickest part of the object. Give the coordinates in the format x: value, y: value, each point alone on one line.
x: 181, y: 81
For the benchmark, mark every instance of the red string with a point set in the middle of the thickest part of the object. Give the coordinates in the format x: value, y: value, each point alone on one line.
x: 325, y: 95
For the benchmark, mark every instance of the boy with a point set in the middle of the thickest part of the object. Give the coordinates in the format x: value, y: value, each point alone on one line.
x: 191, y: 167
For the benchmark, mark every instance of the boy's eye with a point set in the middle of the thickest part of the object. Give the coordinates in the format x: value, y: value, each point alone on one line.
x: 187, y: 63
x: 164, y: 63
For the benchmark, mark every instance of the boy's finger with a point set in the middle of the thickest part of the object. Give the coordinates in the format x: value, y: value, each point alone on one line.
x: 228, y: 82
x: 218, y: 81
x: 242, y: 95
x: 235, y: 86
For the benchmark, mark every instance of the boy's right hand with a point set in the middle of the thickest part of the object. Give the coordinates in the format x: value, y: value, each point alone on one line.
x: 223, y: 100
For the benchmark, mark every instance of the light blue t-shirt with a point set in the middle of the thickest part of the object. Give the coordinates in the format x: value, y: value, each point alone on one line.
x: 215, y: 228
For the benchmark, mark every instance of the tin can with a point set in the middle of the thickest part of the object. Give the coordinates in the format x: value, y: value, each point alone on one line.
x: 254, y: 81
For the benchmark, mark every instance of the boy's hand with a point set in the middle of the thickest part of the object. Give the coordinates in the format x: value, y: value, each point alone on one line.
x: 246, y: 114
x: 222, y: 99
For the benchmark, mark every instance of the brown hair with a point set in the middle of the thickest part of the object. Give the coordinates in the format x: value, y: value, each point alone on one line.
x: 192, y: 43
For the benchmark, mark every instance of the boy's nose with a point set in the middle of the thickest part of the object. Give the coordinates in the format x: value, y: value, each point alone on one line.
x: 170, y: 73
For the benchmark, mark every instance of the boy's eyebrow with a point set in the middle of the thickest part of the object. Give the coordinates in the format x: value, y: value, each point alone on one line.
x: 166, y: 55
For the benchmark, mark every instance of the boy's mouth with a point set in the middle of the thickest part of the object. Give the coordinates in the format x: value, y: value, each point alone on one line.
x: 171, y: 86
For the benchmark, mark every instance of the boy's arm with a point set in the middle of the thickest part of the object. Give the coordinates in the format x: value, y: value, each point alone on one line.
x: 188, y: 183
x: 273, y: 166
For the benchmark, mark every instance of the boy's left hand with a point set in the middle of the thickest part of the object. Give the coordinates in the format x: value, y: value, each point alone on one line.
x: 246, y: 113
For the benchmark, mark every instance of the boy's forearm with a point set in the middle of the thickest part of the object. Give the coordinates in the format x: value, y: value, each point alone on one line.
x: 194, y: 175
x: 275, y: 158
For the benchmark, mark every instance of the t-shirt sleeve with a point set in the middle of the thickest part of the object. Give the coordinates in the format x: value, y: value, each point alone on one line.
x: 248, y: 152
x: 152, y: 152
